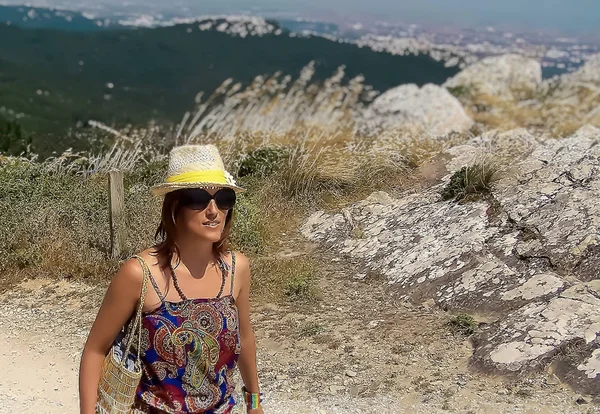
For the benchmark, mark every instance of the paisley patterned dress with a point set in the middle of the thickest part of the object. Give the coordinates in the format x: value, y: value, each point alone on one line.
x: 189, y: 351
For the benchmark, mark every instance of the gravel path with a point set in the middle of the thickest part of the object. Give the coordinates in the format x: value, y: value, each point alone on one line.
x: 44, y: 325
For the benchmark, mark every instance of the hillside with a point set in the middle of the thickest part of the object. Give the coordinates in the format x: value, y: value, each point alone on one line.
x: 51, y: 80
x: 42, y: 18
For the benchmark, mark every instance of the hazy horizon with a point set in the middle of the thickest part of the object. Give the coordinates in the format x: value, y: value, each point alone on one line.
x: 568, y: 16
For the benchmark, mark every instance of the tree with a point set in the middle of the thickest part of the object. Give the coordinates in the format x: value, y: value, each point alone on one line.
x: 12, y: 139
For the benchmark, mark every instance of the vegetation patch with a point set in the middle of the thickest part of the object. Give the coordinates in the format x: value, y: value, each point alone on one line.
x: 285, y: 279
x: 463, y: 324
x: 470, y: 182
x: 262, y: 162
x: 248, y: 234
x: 310, y: 330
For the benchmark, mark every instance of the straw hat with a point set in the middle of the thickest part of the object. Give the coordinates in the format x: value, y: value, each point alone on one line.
x: 195, y: 166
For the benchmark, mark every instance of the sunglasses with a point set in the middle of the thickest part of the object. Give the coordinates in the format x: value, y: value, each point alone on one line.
x: 199, y: 198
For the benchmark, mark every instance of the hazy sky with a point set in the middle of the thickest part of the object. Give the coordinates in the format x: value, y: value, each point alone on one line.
x: 579, y: 15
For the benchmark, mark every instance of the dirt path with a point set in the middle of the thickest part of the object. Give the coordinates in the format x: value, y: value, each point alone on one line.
x: 360, y: 349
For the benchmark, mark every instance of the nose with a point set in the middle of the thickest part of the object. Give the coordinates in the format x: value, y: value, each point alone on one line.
x: 211, y: 209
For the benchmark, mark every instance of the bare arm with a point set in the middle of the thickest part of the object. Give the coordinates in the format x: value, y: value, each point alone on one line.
x: 247, y: 359
x: 118, y: 306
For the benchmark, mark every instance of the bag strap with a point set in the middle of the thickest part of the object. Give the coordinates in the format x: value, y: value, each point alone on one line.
x: 232, y: 272
x: 137, y: 323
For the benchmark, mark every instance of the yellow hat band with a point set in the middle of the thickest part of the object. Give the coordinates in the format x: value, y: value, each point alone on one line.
x: 208, y: 176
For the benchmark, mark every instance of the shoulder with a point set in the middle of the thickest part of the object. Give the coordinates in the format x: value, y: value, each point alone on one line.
x: 241, y: 260
x: 242, y: 264
x: 130, y: 274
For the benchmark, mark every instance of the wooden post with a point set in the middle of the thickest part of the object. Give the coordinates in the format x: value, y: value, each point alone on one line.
x: 117, y: 213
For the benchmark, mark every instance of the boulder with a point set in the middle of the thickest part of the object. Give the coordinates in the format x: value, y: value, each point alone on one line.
x: 431, y: 110
x: 508, y: 76
x: 527, y: 257
x: 574, y: 97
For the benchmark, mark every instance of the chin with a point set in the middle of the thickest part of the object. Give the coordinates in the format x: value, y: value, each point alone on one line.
x: 211, y: 235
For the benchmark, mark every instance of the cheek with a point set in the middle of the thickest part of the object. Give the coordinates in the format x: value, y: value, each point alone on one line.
x: 192, y: 220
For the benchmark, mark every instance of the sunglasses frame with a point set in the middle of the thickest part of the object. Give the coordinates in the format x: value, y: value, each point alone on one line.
x: 187, y: 200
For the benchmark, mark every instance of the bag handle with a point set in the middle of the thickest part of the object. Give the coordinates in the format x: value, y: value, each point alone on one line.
x: 137, y: 323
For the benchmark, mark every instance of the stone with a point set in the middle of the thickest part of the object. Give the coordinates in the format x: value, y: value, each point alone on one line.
x: 463, y: 156
x: 552, y: 380
x: 507, y: 76
x: 336, y: 389
x: 591, y: 367
x: 351, y: 374
x: 513, y: 144
x: 528, y: 255
x: 430, y: 110
x: 380, y: 197
x: 574, y: 97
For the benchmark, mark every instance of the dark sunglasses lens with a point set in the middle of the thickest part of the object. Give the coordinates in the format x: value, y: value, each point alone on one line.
x: 196, y: 199
x: 225, y: 198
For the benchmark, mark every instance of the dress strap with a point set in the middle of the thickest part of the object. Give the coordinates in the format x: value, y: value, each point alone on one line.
x: 147, y: 271
x: 232, y: 271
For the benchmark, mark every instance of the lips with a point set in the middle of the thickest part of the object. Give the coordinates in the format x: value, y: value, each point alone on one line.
x: 211, y: 223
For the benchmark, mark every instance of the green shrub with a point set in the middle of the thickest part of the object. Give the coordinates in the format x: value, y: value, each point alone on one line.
x: 460, y: 91
x: 147, y: 174
x: 298, y: 288
x: 471, y: 182
x: 262, y: 161
x: 52, y: 223
x: 13, y: 141
x: 463, y: 324
x: 248, y: 230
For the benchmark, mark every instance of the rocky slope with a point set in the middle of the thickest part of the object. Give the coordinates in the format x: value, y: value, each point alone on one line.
x: 525, y: 259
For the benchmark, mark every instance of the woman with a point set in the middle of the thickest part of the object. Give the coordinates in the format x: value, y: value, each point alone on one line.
x: 196, y: 323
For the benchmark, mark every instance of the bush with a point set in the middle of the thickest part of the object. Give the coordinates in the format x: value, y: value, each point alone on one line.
x: 13, y: 141
x: 463, y: 324
x: 470, y: 182
x: 460, y: 91
x: 262, y: 162
x: 298, y: 288
x: 53, y: 224
x: 248, y: 233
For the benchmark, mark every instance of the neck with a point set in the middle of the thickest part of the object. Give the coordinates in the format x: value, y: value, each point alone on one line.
x: 194, y: 251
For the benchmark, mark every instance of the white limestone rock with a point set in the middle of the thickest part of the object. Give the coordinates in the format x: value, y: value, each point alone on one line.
x: 528, y: 256
x: 507, y: 76
x: 431, y: 110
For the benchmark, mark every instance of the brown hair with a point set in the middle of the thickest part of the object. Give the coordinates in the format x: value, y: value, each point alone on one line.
x: 166, y: 232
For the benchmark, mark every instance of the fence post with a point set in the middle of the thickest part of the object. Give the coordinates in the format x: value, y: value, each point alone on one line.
x: 117, y: 213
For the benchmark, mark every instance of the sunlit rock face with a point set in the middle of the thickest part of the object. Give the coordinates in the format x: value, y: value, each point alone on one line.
x: 527, y: 255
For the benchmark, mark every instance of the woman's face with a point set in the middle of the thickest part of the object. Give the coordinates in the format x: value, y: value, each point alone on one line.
x: 209, y: 222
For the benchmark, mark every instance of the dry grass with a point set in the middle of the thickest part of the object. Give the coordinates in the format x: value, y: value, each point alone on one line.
x: 284, y: 279
x: 327, y: 164
x: 65, y: 200
x: 554, y: 108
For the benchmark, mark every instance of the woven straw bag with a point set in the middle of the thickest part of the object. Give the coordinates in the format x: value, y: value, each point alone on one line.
x: 122, y: 369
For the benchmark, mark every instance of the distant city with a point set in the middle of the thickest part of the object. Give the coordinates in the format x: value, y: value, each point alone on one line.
x: 457, y: 44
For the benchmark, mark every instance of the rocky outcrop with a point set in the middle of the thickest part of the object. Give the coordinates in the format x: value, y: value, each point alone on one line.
x: 508, y: 76
x: 575, y: 95
x: 527, y: 256
x: 589, y: 73
x: 430, y: 109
